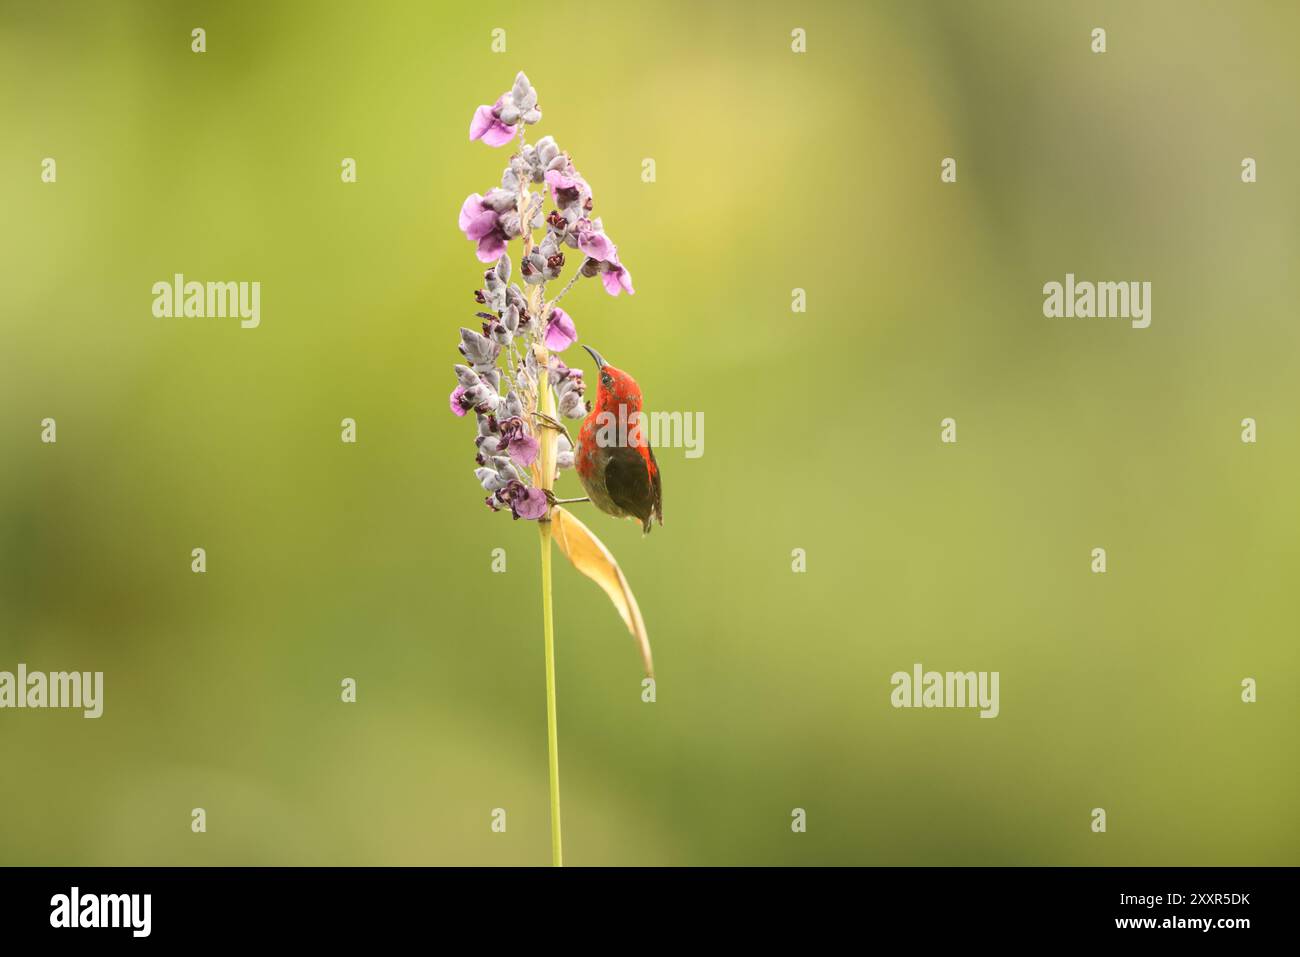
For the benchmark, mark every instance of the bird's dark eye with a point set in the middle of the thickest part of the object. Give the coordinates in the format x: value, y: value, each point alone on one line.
x: 606, y: 380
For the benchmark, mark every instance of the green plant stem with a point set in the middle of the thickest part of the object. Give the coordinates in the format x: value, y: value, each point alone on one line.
x: 552, y: 729
x: 545, y: 478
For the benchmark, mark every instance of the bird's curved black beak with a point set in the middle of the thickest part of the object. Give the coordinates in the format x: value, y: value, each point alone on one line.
x: 600, y: 363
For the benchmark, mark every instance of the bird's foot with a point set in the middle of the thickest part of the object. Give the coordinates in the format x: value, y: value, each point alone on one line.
x: 552, y: 500
x: 550, y: 422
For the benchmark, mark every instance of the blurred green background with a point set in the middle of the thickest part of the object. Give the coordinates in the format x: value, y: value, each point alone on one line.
x: 774, y: 171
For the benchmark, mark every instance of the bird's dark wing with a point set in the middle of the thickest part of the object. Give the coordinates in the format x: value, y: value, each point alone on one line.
x: 628, y: 482
x: 658, y: 488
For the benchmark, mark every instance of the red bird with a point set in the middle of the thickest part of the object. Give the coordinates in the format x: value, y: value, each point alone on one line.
x: 613, y: 459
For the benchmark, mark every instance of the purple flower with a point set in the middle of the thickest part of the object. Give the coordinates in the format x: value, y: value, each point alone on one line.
x: 593, y: 241
x: 523, y: 449
x: 457, y: 405
x: 528, y: 503
x: 573, y: 187
x: 524, y: 501
x: 487, y: 126
x: 560, y: 331
x: 615, y: 277
x: 481, y: 224
x: 521, y: 446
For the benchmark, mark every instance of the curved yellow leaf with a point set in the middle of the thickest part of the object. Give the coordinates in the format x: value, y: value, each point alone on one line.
x: 590, y: 556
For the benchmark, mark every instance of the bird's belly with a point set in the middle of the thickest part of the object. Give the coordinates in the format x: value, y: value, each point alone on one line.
x: 599, y: 496
x: 591, y: 473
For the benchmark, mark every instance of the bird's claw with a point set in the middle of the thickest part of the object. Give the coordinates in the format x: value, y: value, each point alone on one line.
x: 552, y: 501
x: 550, y: 422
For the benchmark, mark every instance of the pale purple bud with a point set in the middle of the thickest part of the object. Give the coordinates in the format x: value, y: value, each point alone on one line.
x: 479, y: 350
x: 482, y: 397
x: 491, y: 479
x: 509, y: 223
x: 533, y: 269
x: 508, y: 471
x: 572, y: 406
x: 500, y: 199
x: 500, y: 334
x: 522, y: 87
x: 547, y: 150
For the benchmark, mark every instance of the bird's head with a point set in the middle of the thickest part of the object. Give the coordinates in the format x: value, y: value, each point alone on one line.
x: 614, y: 386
